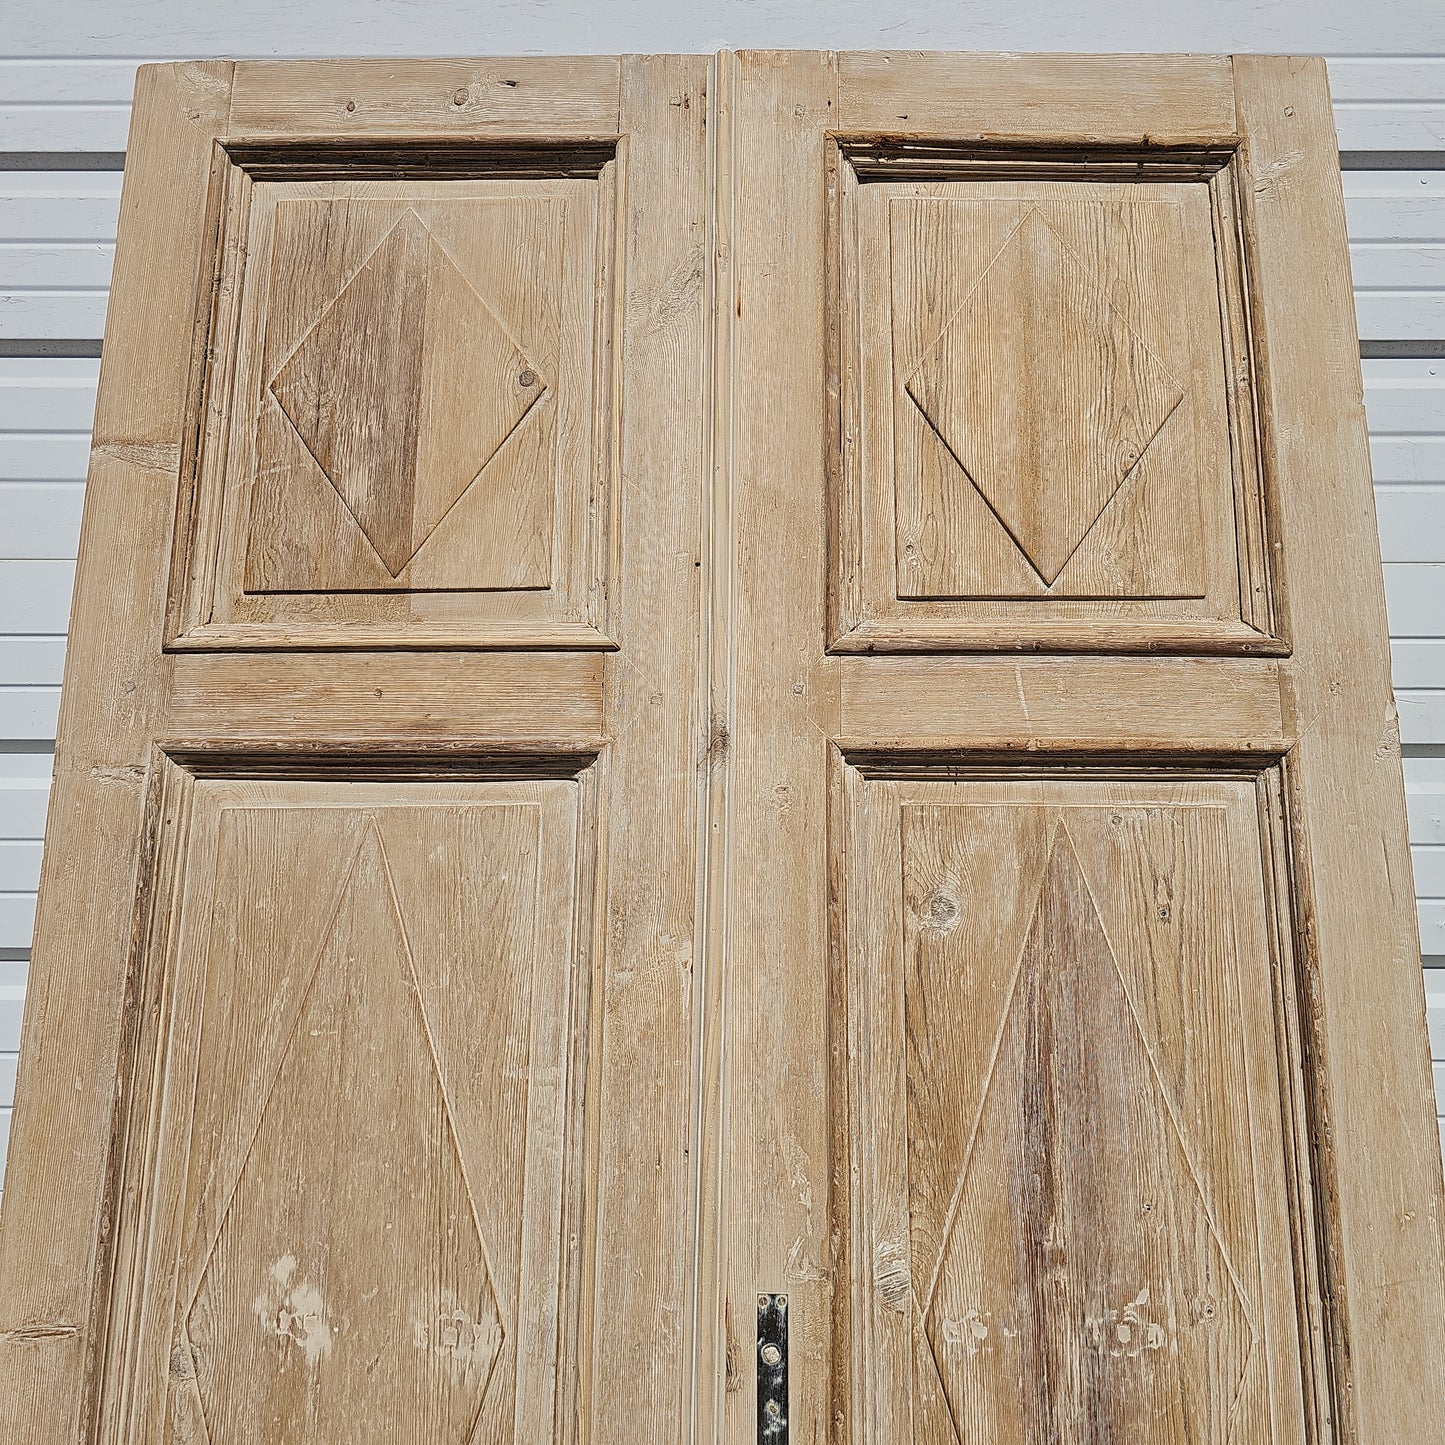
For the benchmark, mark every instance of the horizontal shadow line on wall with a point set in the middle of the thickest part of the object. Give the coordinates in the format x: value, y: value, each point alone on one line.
x: 1377, y: 350
x: 1392, y: 160
x: 17, y: 346
x: 62, y: 160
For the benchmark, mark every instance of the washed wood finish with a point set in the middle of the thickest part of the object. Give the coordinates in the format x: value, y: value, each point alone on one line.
x: 407, y: 434
x: 567, y: 852
x: 399, y: 1039
x: 1073, y: 1215
x: 377, y: 982
x: 1040, y: 1020
x: 1047, y: 444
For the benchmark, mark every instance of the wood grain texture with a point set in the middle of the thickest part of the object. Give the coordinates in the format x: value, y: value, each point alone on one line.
x: 52, y: 1245
x: 408, y: 419
x: 1032, y: 1025
x: 541, y: 96
x: 1070, y: 1221
x: 436, y: 1052
x: 397, y: 1040
x: 1046, y: 405
x: 1066, y: 705
x: 1372, y: 1083
x: 959, y: 96
x: 776, y: 717
x: 640, y: 1381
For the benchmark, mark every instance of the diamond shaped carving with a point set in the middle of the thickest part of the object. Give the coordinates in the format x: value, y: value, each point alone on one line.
x: 348, y: 1280
x: 404, y: 389
x: 1080, y: 1290
x: 1043, y: 393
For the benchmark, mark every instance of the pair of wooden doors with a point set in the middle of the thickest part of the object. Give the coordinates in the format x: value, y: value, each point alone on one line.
x: 727, y: 772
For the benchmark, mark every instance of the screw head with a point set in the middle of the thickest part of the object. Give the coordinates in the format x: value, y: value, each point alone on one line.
x: 771, y: 1354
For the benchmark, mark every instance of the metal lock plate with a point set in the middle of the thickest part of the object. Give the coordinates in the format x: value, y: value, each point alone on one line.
x: 772, y: 1369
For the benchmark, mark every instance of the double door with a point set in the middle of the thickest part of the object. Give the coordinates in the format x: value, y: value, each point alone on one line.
x: 727, y: 773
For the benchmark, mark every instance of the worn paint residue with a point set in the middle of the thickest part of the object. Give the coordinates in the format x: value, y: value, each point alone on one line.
x: 1128, y: 1332
x: 294, y: 1311
x: 967, y: 1334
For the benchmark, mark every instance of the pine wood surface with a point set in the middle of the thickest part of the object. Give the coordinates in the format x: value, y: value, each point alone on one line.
x: 697, y: 679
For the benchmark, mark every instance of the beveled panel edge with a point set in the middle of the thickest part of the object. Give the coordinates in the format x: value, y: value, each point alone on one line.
x: 237, y: 163
x: 1218, y: 162
x: 1297, y: 1025
x: 169, y: 787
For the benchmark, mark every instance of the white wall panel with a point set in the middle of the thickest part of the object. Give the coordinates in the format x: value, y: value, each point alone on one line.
x: 39, y: 519
x: 19, y: 864
x: 22, y: 807
x: 47, y: 395
x: 1418, y: 662
x: 35, y: 595
x: 17, y: 924
x: 32, y: 661
x: 29, y: 713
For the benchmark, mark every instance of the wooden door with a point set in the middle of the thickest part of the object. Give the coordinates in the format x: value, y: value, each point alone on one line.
x: 1074, y: 1087
x: 358, y: 1079
x: 727, y: 773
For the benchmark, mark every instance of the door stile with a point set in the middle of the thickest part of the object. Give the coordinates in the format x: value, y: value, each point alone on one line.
x: 1356, y: 926
x: 54, y: 1236
x: 779, y: 1233
x: 721, y: 1367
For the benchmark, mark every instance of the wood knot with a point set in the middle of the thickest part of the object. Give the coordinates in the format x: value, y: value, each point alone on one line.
x: 940, y: 910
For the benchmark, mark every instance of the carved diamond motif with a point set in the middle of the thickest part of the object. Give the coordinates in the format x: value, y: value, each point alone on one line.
x: 348, y: 1280
x: 404, y: 389
x: 1043, y: 393
x: 1081, y: 1290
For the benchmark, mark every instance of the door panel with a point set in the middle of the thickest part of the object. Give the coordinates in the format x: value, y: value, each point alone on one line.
x: 374, y: 995
x: 1090, y: 390
x: 970, y: 308
x: 1067, y: 1029
x: 408, y: 417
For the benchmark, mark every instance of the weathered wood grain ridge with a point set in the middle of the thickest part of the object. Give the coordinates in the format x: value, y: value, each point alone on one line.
x: 701, y: 679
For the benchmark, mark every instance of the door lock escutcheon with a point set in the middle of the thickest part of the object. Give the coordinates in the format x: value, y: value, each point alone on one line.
x: 772, y: 1369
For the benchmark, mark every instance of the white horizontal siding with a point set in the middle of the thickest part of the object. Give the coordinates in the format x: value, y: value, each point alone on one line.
x: 1389, y: 103
x: 1397, y: 251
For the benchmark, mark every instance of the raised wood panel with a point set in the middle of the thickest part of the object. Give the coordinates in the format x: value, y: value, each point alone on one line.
x: 1042, y: 443
x: 409, y: 440
x: 1067, y: 1064
x: 368, y: 1205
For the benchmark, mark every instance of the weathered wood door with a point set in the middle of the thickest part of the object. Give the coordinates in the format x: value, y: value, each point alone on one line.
x: 703, y: 681
x: 358, y: 1095
x: 1062, y: 803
